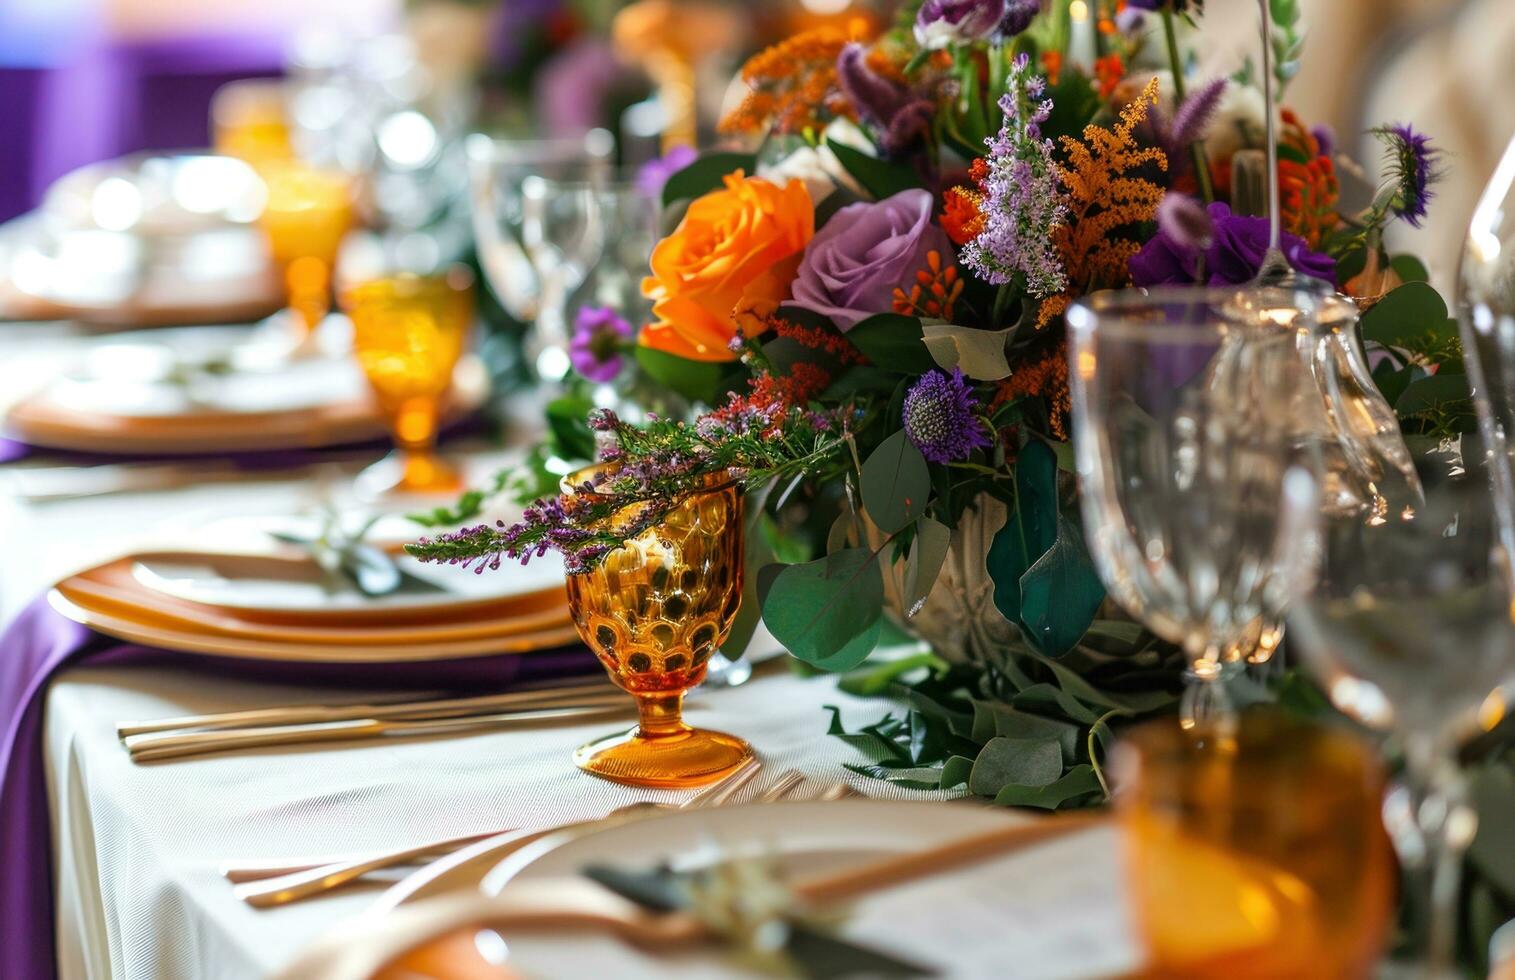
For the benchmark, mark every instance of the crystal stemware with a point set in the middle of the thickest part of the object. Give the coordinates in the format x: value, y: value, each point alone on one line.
x: 654, y: 611
x: 1187, y: 438
x: 1416, y: 614
x: 499, y: 171
x: 1254, y: 853
x: 408, y: 332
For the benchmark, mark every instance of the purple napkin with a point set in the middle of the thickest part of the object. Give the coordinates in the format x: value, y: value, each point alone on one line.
x: 42, y: 642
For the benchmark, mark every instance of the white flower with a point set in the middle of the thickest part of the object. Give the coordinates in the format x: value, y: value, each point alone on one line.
x: 1238, y: 122
x: 817, y: 167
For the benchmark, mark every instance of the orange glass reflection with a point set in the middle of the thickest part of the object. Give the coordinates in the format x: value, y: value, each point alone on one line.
x: 306, y: 216
x: 408, y: 333
x: 653, y: 611
x: 1255, y: 854
x: 248, y: 121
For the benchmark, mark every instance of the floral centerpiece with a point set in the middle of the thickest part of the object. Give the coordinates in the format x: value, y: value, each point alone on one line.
x: 867, y: 307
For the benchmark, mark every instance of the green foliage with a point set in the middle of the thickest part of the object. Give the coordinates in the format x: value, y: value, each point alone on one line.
x: 880, y: 178
x: 896, y: 483
x: 698, y: 381
x: 827, y: 612
x: 705, y: 175
x: 893, y: 342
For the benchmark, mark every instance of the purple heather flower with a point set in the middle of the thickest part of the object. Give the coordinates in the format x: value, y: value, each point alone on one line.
x: 854, y: 263
x: 1192, y: 118
x: 1233, y: 256
x: 1018, y: 16
x: 901, y: 115
x: 941, y: 417
x: 599, y: 336
x: 1022, y: 204
x: 939, y: 23
x: 653, y: 174
x: 1411, y: 168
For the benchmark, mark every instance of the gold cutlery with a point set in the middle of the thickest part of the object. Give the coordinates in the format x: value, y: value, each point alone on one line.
x: 314, y: 881
x: 357, y: 951
x: 393, y: 710
x: 241, y: 871
x: 177, y: 745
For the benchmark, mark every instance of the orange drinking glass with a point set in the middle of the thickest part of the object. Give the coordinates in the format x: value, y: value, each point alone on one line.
x: 653, y: 611
x: 248, y: 121
x: 408, y: 333
x: 308, y: 212
x: 1257, y: 852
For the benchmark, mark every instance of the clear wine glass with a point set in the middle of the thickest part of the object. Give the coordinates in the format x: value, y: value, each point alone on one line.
x: 500, y: 172
x: 1187, y: 439
x: 1487, y: 313
x: 1416, y: 613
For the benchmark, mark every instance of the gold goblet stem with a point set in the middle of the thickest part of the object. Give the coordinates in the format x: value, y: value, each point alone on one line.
x: 660, y: 715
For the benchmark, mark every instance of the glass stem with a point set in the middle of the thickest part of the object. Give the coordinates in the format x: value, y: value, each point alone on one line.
x: 1432, y: 840
x: 1270, y: 125
x: 660, y: 715
x: 1205, y: 701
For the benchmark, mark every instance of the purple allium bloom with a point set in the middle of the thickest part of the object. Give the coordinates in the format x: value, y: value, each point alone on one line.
x: 854, y: 263
x: 939, y: 23
x: 1022, y: 204
x: 599, y: 336
x: 653, y: 174
x: 941, y: 417
x: 1018, y: 16
x: 901, y: 115
x: 1233, y: 256
x: 1412, y: 167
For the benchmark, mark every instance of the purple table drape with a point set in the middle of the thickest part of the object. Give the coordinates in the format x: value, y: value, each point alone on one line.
x: 41, y: 642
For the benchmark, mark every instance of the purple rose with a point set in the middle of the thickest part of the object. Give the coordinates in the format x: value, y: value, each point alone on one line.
x: 854, y: 263
x: 942, y: 22
x: 599, y: 338
x: 1234, y: 254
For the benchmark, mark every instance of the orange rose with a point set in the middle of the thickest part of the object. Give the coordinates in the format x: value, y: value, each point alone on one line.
x: 736, y: 247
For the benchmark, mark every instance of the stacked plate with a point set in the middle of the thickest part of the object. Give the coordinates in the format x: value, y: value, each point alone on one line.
x: 284, y: 606
x: 210, y: 390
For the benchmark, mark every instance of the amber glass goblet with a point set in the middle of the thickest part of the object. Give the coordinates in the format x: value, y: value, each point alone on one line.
x: 307, y: 214
x: 653, y: 611
x: 408, y: 333
x: 1255, y: 851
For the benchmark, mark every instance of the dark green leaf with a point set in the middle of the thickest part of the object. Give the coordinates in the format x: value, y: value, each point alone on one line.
x: 860, y: 378
x: 1392, y: 381
x: 991, y: 718
x: 1060, y: 593
x: 705, y: 175
x: 927, y: 554
x: 893, y: 342
x: 1440, y: 390
x: 1493, y: 849
x: 1079, y: 781
x: 896, y: 483
x: 1404, y: 315
x: 956, y: 771
x: 827, y: 612
x: 878, y: 177
x: 834, y: 202
x: 1048, y: 697
x: 1074, y: 103
x: 1030, y: 529
x: 866, y: 741
x: 701, y: 381
x: 1015, y: 762
x: 568, y: 421
x: 1409, y: 268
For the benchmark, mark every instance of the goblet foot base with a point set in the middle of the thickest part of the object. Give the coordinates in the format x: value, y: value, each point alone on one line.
x: 677, y: 760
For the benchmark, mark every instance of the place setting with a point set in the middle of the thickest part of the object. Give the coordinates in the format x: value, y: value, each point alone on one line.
x: 663, y: 488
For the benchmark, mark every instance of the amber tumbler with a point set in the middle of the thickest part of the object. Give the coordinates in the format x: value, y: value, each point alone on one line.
x: 653, y: 611
x: 1258, y: 852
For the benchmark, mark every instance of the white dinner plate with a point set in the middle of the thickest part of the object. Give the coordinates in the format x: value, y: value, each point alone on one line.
x: 265, y: 583
x: 1055, y: 910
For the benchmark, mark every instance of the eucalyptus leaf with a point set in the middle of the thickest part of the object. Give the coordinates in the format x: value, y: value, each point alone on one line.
x: 1015, y: 762
x: 827, y: 612
x: 1438, y: 391
x: 868, y: 742
x: 1060, y: 593
x: 568, y: 422
x: 893, y: 342
x: 896, y: 483
x: 1403, y: 315
x: 979, y: 353
x: 1409, y: 268
x: 1030, y: 529
x: 955, y: 772
x: 705, y: 174
x: 878, y: 177
x: 1079, y: 781
x: 992, y: 718
x: 927, y: 554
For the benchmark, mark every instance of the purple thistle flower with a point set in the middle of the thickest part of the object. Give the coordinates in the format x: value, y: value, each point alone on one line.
x: 599, y: 337
x: 1185, y: 221
x: 1192, y: 117
x: 941, y: 417
x: 652, y: 175
x: 1413, y: 165
x: 940, y: 23
x: 1022, y: 203
x: 1018, y: 16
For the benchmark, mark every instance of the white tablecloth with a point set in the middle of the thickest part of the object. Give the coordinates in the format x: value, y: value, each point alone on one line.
x: 138, y: 847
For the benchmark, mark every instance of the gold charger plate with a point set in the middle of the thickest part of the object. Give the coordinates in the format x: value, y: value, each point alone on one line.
x: 39, y: 421
x: 173, y: 635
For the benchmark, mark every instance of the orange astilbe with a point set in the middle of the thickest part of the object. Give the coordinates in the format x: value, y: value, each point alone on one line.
x: 1103, y: 195
x: 962, y: 214
x: 1109, y: 70
x: 792, y: 86
x: 934, y: 293
x: 1044, y: 377
x: 1308, y: 191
